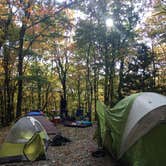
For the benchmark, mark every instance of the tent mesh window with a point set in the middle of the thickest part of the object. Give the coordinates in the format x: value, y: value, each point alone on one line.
x: 23, y: 130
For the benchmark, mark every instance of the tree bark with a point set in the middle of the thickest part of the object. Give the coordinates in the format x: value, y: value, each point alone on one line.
x: 6, y: 64
x: 21, y: 59
x: 120, y: 79
x: 154, y: 67
x: 89, y: 88
x: 106, y: 79
x: 20, y: 71
x: 78, y: 92
x: 39, y: 95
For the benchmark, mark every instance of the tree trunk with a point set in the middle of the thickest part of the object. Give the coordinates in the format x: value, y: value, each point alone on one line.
x: 21, y: 58
x: 6, y: 87
x: 6, y: 63
x: 112, y: 72
x: 46, y: 98
x: 88, y: 84
x: 39, y: 95
x: 78, y: 92
x: 106, y: 79
x: 20, y: 71
x: 154, y: 67
x: 120, y: 79
x: 2, y: 108
x: 95, y: 85
x: 65, y: 95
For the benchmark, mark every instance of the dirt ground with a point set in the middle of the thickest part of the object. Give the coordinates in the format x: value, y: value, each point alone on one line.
x: 76, y: 153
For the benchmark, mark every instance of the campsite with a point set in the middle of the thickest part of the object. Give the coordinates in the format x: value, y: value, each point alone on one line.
x: 83, y: 82
x: 78, y: 152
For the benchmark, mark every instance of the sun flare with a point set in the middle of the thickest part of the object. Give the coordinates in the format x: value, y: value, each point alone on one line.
x: 109, y: 22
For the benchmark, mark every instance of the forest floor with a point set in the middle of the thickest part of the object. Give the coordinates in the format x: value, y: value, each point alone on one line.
x: 78, y: 152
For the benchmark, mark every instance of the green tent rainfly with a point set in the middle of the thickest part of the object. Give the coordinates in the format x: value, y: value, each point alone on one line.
x: 134, y: 130
x: 26, y: 140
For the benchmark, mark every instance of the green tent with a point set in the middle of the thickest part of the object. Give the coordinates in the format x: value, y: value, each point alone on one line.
x: 134, y: 130
x: 26, y: 140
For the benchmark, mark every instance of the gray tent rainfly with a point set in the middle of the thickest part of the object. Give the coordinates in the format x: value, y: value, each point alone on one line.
x: 134, y: 130
x: 147, y: 110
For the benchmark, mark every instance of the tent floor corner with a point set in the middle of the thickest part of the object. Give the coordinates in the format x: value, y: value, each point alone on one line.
x: 4, y: 160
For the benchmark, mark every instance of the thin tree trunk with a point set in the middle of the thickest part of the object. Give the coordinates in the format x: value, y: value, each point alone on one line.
x: 20, y: 71
x: 95, y: 86
x: 7, y: 94
x: 8, y: 88
x: 78, y: 92
x: 12, y: 103
x: 112, y: 75
x: 2, y: 107
x: 65, y: 95
x: 46, y: 98
x: 120, y: 79
x: 106, y: 79
x: 39, y: 95
x: 154, y: 67
x: 88, y: 84
x: 21, y: 59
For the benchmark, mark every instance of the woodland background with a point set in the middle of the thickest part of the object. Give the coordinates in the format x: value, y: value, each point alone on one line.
x: 50, y: 47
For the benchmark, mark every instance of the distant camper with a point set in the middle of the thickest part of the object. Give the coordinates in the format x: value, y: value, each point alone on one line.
x: 79, y: 112
x: 63, y: 105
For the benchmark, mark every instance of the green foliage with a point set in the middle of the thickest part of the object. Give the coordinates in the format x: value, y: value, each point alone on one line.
x: 101, y: 63
x: 139, y: 76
